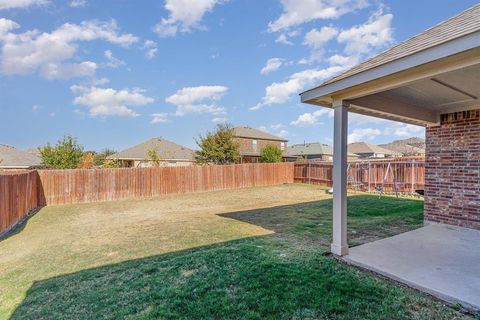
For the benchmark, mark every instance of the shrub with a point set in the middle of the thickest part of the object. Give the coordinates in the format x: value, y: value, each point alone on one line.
x: 271, y: 154
x: 66, y: 154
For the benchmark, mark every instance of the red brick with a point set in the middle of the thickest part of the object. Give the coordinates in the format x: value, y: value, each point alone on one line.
x: 452, y: 170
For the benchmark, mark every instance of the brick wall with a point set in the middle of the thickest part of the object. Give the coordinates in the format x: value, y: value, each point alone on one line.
x: 246, y: 145
x: 452, y: 172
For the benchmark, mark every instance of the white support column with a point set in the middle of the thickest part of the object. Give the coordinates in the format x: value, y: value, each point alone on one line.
x: 339, y: 245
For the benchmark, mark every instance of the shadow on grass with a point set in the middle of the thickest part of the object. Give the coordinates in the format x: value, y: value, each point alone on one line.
x: 369, y: 218
x: 252, y: 278
x: 19, y: 226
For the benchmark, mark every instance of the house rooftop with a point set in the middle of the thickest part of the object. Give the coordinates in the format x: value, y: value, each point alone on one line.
x: 166, y: 149
x: 363, y: 147
x: 250, y: 133
x: 313, y: 148
x: 11, y: 157
x: 309, y: 149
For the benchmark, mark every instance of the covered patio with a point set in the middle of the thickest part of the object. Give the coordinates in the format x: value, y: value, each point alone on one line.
x: 431, y: 80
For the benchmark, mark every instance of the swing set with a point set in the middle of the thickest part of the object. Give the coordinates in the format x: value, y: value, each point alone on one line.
x: 382, y: 177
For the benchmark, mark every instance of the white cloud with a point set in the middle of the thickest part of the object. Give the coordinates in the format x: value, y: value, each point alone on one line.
x: 317, y: 38
x: 183, y: 16
x: 99, y: 82
x: 78, y: 3
x: 159, y: 117
x: 272, y: 65
x: 362, y: 134
x: 338, y: 59
x: 277, y: 126
x: 219, y: 120
x: 374, y: 34
x: 280, y: 92
x: 275, y: 129
x: 282, y: 133
x: 282, y: 38
x: 199, y: 99
x: 109, y: 102
x: 403, y: 130
x: 112, y: 61
x: 309, y: 118
x: 48, y: 54
x: 150, y: 48
x: 11, y: 4
x: 296, y: 12
x: 68, y: 70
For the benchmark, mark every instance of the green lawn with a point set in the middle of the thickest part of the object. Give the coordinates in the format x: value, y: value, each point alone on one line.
x: 245, y: 254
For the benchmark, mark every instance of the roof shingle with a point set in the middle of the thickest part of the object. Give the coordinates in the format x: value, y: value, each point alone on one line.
x: 166, y: 150
x: 11, y: 157
x: 247, y: 132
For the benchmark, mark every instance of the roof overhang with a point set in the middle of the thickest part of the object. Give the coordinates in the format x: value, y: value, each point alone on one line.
x: 264, y: 139
x: 414, y: 89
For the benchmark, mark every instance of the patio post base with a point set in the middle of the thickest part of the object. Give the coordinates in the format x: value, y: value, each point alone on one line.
x: 339, y: 250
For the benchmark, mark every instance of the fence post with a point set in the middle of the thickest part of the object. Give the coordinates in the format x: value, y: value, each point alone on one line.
x: 308, y: 170
x: 413, y: 175
x: 369, y: 189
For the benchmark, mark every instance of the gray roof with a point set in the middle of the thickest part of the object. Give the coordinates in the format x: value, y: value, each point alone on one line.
x: 465, y: 23
x: 167, y: 150
x: 14, y: 158
x: 315, y: 148
x: 247, y: 132
x: 310, y: 149
x: 366, y: 148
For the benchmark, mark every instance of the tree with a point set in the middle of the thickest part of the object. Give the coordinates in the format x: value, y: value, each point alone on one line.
x: 152, y: 157
x: 271, y: 154
x: 66, y: 154
x: 218, y: 147
x: 101, y: 157
x: 109, y: 164
x: 87, y: 161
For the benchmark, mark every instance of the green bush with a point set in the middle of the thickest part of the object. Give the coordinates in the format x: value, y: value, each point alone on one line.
x: 66, y: 154
x: 271, y: 154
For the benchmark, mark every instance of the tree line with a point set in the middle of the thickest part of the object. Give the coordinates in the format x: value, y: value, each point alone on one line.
x: 215, y: 147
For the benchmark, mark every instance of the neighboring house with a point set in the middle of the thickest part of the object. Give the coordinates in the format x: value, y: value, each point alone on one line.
x: 169, y: 153
x: 407, y: 147
x: 252, y: 141
x: 370, y: 151
x: 314, y: 151
x: 12, y: 158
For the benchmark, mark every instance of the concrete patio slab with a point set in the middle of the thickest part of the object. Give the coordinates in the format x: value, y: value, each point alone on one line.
x: 441, y: 260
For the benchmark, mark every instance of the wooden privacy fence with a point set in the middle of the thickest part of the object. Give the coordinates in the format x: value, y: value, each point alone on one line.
x: 22, y: 192
x: 377, y: 175
x: 18, y: 197
x: 314, y: 173
x: 92, y: 185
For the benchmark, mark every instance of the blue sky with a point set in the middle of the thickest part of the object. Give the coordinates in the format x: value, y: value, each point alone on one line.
x: 114, y: 73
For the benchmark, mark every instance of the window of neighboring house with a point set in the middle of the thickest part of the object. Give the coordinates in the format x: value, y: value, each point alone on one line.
x: 254, y: 145
x: 282, y: 146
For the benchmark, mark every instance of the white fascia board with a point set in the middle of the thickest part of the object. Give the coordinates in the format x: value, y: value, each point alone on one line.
x: 443, y: 50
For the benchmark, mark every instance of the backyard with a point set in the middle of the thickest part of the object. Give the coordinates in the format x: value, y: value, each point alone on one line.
x: 235, y: 254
